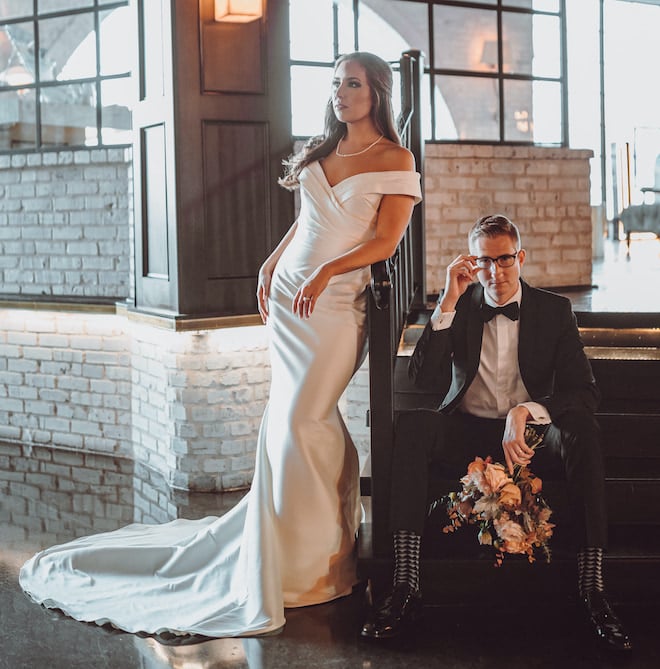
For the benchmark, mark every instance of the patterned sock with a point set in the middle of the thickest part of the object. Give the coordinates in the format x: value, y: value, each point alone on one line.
x: 406, y: 558
x: 590, y: 570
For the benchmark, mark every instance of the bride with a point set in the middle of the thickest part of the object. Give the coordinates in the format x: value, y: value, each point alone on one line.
x: 291, y: 541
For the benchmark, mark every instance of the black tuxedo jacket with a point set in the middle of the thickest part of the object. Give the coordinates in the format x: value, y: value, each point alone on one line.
x: 551, y: 357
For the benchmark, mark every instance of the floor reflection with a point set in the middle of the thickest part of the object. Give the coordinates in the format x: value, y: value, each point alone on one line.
x: 50, y: 496
x: 624, y: 282
x: 225, y: 653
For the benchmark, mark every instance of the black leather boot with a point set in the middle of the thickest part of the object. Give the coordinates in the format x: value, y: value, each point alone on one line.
x: 604, y: 622
x: 394, y: 613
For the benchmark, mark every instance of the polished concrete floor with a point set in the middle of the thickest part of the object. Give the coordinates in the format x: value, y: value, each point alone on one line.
x: 624, y: 282
x: 41, y: 505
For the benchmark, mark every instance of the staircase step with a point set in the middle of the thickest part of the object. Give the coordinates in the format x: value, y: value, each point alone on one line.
x: 628, y: 385
x: 621, y: 337
x: 630, y: 435
x: 630, y: 570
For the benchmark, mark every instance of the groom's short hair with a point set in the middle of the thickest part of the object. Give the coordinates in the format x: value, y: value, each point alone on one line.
x: 494, y: 225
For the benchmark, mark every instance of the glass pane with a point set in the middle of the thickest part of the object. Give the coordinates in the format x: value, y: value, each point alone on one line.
x: 68, y: 115
x: 547, y: 47
x: 345, y: 26
x: 389, y: 28
x: 518, y: 49
x: 584, y: 84
x: 118, y: 40
x: 17, y: 120
x: 45, y: 6
x: 153, y: 77
x: 425, y: 103
x: 532, y: 111
x: 16, y: 54
x: 311, y: 26
x: 116, y: 96
x: 518, y: 106
x: 531, y: 44
x: 547, y: 112
x: 15, y: 9
x: 310, y: 92
x: 396, y: 95
x: 465, y: 39
x: 539, y: 5
x: 445, y: 128
x: 71, y: 58
x: 472, y: 108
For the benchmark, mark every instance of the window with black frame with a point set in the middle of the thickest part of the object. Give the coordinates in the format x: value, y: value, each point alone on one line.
x: 495, y: 70
x: 65, y: 74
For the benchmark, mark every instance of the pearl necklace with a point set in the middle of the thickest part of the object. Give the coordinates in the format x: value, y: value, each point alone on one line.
x: 357, y: 153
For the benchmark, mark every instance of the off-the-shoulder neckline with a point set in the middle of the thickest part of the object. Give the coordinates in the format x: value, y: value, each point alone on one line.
x: 359, y: 174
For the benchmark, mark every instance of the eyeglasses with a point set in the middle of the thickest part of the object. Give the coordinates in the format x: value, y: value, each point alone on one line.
x: 506, y: 260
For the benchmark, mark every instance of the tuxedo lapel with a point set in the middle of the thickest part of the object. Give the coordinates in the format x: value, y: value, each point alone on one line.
x: 475, y: 331
x: 528, y: 328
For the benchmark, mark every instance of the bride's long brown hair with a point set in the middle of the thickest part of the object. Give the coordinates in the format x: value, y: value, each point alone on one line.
x: 379, y: 78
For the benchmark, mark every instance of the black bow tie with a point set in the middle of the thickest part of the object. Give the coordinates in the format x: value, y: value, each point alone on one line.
x: 511, y: 311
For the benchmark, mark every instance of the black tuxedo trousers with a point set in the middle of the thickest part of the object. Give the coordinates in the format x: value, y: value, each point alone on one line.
x: 430, y: 446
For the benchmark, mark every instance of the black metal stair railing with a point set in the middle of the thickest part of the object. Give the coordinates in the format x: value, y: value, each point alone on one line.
x: 397, y: 286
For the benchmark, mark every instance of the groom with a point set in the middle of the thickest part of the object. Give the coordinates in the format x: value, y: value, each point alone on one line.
x: 503, y: 354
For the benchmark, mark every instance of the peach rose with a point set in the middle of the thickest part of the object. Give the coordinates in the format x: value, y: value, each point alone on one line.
x: 496, y: 476
x: 512, y: 535
x: 475, y: 475
x: 510, y: 495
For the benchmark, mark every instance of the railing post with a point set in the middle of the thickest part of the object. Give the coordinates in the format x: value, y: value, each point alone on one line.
x: 381, y: 419
x: 416, y: 145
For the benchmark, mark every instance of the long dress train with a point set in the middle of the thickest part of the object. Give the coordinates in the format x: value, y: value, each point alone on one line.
x: 291, y: 540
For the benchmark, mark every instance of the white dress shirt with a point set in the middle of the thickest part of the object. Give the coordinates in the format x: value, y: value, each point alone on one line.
x: 498, y: 385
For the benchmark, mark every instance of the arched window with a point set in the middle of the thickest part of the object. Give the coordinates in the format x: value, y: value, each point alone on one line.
x: 65, y: 68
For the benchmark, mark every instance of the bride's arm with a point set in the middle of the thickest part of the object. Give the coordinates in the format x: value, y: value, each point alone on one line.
x: 266, y: 272
x: 393, y: 217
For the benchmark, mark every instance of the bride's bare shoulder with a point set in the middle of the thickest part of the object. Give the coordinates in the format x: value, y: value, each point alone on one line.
x: 396, y: 157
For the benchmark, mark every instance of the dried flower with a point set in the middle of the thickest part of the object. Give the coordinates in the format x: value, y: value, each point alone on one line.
x: 511, y: 514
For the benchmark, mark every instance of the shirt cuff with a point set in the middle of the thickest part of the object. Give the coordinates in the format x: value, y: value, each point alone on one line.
x: 539, y: 413
x: 441, y: 320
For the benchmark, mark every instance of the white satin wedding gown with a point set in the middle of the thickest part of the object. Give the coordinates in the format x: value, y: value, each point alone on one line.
x: 290, y: 541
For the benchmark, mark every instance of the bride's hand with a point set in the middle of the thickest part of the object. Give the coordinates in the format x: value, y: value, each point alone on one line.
x: 304, y: 300
x: 263, y: 291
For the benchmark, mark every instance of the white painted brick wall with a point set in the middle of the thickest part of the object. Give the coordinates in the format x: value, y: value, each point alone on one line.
x: 63, y: 380
x: 187, y: 405
x: 64, y: 223
x: 60, y: 494
x: 199, y: 399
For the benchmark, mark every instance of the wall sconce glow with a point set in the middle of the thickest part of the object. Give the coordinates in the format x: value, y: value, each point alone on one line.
x: 238, y: 11
x: 489, y: 56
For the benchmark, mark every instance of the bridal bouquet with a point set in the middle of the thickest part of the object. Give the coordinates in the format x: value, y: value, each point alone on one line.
x: 511, y: 514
